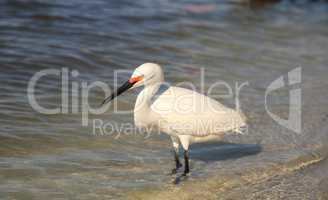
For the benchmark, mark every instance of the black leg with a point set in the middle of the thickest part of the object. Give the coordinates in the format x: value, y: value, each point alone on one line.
x: 177, y: 163
x: 186, y: 157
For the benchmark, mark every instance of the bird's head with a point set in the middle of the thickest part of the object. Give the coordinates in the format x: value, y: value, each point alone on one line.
x: 145, y: 74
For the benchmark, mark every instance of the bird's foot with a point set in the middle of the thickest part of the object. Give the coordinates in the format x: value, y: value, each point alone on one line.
x: 175, y: 170
x: 185, y: 173
x: 180, y: 178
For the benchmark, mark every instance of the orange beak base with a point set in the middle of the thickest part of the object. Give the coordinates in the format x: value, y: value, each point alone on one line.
x: 135, y: 79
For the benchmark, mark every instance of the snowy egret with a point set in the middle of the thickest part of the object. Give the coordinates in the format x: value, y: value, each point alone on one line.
x: 185, y: 115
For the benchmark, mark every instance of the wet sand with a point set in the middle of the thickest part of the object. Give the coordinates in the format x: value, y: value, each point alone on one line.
x: 275, y: 181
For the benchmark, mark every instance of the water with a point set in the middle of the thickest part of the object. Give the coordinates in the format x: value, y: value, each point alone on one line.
x: 55, y: 157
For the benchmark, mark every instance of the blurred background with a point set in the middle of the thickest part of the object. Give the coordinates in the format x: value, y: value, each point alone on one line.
x: 53, y: 156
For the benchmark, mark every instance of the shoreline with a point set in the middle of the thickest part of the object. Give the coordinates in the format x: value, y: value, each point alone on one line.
x: 214, y: 187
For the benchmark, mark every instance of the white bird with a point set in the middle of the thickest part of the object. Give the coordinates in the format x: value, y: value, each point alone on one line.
x: 185, y: 115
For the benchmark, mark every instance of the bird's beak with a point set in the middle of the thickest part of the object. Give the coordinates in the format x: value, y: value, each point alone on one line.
x: 127, y: 85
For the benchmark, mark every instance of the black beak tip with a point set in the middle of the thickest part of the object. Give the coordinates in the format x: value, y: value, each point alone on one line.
x: 104, y: 101
x: 127, y: 85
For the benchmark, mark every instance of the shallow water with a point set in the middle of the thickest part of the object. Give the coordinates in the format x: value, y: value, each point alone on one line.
x: 54, y: 156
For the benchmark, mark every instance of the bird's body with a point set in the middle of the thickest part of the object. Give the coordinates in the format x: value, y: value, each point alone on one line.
x: 185, y: 115
x: 182, y: 112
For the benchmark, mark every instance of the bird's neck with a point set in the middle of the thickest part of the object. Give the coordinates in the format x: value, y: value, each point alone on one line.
x: 145, y: 96
x: 142, y: 108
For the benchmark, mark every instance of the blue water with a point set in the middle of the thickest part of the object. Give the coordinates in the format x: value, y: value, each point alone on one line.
x: 55, y: 157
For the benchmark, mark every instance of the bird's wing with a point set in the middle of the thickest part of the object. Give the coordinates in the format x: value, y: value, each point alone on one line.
x: 186, y: 112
